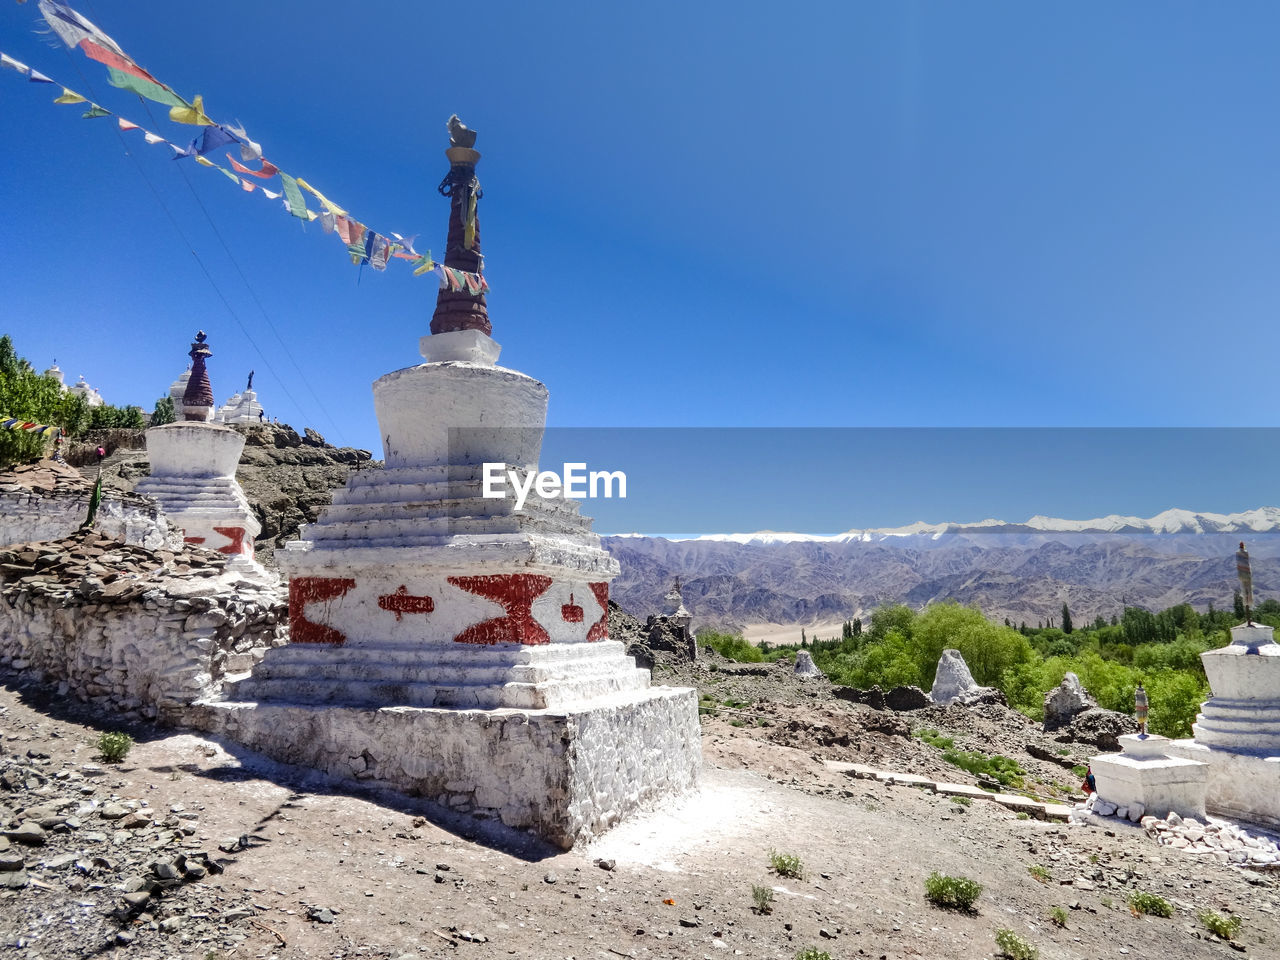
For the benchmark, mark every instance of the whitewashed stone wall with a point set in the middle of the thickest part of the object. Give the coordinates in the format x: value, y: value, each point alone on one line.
x: 28, y: 517
x: 566, y: 775
x: 154, y: 654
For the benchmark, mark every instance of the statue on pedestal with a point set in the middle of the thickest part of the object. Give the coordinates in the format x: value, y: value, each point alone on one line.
x: 1246, y: 581
x: 1140, y: 709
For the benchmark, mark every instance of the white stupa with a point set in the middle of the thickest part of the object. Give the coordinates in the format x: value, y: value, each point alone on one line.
x: 452, y: 645
x: 193, y: 472
x: 82, y: 389
x: 242, y: 407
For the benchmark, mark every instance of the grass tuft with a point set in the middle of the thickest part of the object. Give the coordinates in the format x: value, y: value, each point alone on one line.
x: 951, y: 893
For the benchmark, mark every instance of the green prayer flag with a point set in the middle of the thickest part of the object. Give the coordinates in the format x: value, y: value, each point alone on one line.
x: 145, y: 88
x: 95, y: 111
x: 297, y: 206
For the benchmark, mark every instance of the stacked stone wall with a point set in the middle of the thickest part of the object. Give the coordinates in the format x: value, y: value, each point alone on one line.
x: 131, y: 630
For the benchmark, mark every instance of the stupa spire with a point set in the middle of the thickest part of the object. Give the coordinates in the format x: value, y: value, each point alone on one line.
x: 197, y: 399
x: 459, y: 310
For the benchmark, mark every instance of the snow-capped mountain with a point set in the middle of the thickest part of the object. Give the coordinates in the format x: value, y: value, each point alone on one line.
x: 1024, y: 571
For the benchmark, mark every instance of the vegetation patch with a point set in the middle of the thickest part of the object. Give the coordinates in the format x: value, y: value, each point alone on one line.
x: 1149, y: 904
x: 762, y: 899
x: 1058, y: 917
x: 1220, y: 925
x: 951, y: 893
x: 114, y: 747
x: 1003, y: 770
x: 813, y: 953
x: 1039, y: 873
x: 934, y: 739
x: 731, y: 647
x: 786, y: 864
x: 1015, y: 947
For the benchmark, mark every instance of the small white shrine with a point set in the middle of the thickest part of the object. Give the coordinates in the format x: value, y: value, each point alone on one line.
x: 455, y: 646
x: 242, y: 407
x: 193, y: 472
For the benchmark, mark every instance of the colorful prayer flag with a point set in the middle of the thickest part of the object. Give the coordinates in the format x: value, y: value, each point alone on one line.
x: 69, y: 96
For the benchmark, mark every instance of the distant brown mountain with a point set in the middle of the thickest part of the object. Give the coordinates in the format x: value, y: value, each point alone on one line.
x: 1006, y: 570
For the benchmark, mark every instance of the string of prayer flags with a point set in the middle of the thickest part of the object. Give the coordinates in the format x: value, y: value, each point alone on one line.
x: 42, y: 429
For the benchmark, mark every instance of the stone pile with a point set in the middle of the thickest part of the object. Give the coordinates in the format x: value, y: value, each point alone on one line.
x: 83, y: 870
x: 47, y: 499
x: 1224, y: 841
x: 129, y: 628
x: 1064, y: 702
x: 953, y: 683
x: 805, y: 667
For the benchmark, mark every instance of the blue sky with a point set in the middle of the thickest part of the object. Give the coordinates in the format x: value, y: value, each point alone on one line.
x: 712, y: 214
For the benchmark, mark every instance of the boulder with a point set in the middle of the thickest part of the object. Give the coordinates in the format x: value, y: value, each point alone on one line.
x: 805, y: 667
x: 1064, y: 702
x: 1102, y: 728
x: 907, y: 698
x: 953, y: 683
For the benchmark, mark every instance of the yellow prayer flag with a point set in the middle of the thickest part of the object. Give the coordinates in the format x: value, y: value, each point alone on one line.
x: 193, y: 114
x: 70, y: 96
x: 425, y: 267
x: 205, y: 162
x: 329, y: 205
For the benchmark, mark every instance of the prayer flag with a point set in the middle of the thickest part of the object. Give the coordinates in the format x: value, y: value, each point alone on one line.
x: 126, y: 124
x: 329, y: 204
x: 12, y: 64
x: 70, y: 96
x: 297, y: 206
x: 72, y: 28
x: 248, y: 187
x: 95, y: 500
x: 268, y: 170
x: 271, y: 193
x: 37, y: 77
x: 145, y: 88
x: 193, y: 114
x: 152, y: 138
x: 94, y: 111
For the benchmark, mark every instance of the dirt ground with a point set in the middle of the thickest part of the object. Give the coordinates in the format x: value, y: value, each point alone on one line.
x: 310, y: 872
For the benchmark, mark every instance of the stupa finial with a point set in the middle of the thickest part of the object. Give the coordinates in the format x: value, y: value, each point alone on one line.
x: 459, y: 310
x: 197, y: 399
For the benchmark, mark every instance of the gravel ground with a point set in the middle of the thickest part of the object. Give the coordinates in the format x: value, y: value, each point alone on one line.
x: 218, y: 853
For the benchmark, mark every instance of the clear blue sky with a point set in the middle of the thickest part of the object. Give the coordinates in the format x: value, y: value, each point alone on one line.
x: 706, y: 214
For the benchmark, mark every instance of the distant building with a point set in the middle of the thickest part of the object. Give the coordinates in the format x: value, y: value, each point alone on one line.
x: 81, y: 388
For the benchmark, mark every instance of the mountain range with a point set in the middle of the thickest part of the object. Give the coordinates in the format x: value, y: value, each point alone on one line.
x: 1023, y: 571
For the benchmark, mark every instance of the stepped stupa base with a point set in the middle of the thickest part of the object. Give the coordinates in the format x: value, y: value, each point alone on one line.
x: 1241, y: 786
x: 566, y: 775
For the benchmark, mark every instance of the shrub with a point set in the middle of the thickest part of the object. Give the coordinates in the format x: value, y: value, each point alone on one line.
x: 1220, y: 925
x: 114, y: 747
x: 1058, y: 917
x: 786, y: 864
x: 731, y: 647
x: 813, y: 953
x: 1013, y: 946
x: 1039, y: 872
x: 762, y: 897
x: 1001, y: 769
x: 1149, y: 903
x: 935, y: 739
x: 952, y: 893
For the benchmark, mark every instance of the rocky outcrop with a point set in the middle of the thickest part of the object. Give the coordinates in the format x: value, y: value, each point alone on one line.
x: 805, y: 667
x: 1101, y: 728
x: 145, y: 632
x: 1064, y: 702
x: 953, y: 683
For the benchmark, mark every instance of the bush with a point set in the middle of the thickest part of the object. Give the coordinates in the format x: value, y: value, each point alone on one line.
x: 813, y: 953
x: 114, y: 747
x: 935, y: 739
x: 998, y: 768
x: 786, y: 864
x: 1149, y: 903
x: 1220, y: 925
x: 1013, y: 946
x: 1058, y: 917
x: 1040, y: 873
x: 731, y: 647
x: 762, y: 897
x: 952, y: 893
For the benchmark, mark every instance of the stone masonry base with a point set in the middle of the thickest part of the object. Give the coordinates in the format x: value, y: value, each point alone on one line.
x: 566, y: 775
x: 1241, y: 786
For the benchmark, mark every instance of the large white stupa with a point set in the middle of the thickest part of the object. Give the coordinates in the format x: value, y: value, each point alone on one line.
x: 457, y: 646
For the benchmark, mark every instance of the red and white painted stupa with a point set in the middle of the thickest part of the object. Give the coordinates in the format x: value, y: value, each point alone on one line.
x: 452, y: 645
x: 193, y: 471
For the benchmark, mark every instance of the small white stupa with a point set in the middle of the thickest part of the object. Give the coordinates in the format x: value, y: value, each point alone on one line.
x: 193, y: 472
x: 91, y: 396
x: 456, y: 646
x: 242, y: 407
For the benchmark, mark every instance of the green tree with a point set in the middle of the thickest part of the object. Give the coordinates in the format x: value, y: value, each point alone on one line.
x: 1237, y: 602
x: 26, y: 395
x: 1066, y: 619
x: 989, y: 649
x: 163, y: 413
